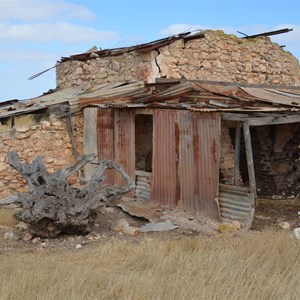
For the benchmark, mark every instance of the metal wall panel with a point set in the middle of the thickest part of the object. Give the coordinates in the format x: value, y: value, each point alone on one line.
x: 164, y: 171
x: 90, y: 139
x: 187, y: 169
x: 124, y: 140
x: 236, y: 204
x: 207, y: 129
x: 116, y: 141
x: 186, y: 160
x: 105, y: 136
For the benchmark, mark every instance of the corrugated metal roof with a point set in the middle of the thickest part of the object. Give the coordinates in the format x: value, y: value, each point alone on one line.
x: 202, y: 96
x: 185, y: 94
x: 141, y: 47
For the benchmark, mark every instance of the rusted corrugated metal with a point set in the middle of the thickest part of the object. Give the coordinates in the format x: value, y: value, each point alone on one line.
x: 186, y: 160
x: 164, y: 169
x: 105, y: 137
x: 187, y: 169
x: 89, y: 141
x: 124, y: 139
x: 116, y: 141
x: 207, y: 128
x: 236, y: 204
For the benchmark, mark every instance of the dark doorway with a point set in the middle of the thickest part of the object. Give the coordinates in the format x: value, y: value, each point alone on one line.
x: 143, y: 142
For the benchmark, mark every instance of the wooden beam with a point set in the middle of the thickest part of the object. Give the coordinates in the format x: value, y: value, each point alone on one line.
x: 270, y: 120
x: 249, y: 156
x: 237, y: 151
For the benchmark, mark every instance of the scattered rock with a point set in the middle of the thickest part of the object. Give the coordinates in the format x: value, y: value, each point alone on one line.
x: 43, y: 244
x: 132, y: 231
x: 296, y: 233
x: 109, y: 210
x: 78, y: 246
x: 22, y: 226
x: 236, y: 224
x: 36, y: 240
x: 284, y: 225
x: 119, y: 225
x: 27, y: 237
x: 10, y: 235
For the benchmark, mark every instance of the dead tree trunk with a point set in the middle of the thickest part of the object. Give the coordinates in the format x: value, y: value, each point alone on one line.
x: 52, y: 206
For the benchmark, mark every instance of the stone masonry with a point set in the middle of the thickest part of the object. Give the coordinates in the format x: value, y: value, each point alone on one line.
x: 50, y: 139
x: 216, y: 57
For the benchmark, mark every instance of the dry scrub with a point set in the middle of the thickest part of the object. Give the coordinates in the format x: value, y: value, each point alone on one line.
x: 254, y: 266
x: 6, y: 220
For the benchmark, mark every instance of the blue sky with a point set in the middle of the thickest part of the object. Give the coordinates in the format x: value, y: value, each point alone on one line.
x: 34, y: 34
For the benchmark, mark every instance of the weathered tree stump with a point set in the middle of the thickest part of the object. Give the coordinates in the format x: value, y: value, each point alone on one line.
x: 52, y: 206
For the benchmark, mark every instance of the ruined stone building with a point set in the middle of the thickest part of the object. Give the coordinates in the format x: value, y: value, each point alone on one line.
x: 196, y: 119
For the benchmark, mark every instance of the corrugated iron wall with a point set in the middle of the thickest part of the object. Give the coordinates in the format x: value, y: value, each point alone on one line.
x: 116, y: 141
x: 186, y: 160
x: 207, y: 129
x: 164, y: 162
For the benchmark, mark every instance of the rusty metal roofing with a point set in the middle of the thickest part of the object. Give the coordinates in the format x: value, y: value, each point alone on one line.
x: 200, y: 96
x: 174, y: 94
x: 141, y: 47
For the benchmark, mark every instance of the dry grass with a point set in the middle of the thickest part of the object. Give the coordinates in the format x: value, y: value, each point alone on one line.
x: 6, y: 217
x: 256, y: 266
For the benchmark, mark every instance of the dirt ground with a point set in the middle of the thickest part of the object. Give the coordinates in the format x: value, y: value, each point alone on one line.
x: 268, y: 215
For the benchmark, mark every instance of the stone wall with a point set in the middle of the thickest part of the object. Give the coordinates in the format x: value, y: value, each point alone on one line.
x: 50, y: 139
x: 216, y: 57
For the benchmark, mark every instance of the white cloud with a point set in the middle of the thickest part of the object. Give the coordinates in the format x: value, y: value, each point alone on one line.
x: 42, y: 10
x: 60, y: 31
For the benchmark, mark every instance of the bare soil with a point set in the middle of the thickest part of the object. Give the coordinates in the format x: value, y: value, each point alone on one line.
x: 268, y: 215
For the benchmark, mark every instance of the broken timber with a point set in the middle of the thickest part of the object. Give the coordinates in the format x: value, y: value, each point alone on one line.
x: 52, y: 206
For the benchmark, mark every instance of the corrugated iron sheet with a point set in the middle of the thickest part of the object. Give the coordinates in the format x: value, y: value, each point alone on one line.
x: 124, y: 139
x: 207, y: 130
x: 143, y: 185
x: 89, y: 141
x: 116, y: 141
x: 164, y: 162
x: 271, y: 96
x: 186, y: 160
x: 236, y: 204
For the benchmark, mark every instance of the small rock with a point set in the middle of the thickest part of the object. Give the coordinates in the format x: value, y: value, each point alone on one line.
x: 191, y: 218
x: 10, y: 235
x: 236, y: 224
x: 109, y: 210
x: 296, y: 233
x: 22, y: 226
x: 89, y: 237
x: 27, y: 237
x: 132, y: 231
x: 284, y: 225
x: 43, y: 244
x: 70, y: 238
x: 119, y: 225
x: 78, y: 246
x: 36, y: 240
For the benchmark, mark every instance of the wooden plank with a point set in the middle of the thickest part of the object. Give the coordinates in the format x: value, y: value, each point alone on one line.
x: 249, y: 156
x: 274, y: 120
x: 237, y: 151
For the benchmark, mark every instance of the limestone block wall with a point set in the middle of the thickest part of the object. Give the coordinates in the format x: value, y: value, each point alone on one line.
x: 216, y: 57
x: 50, y: 139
